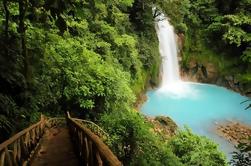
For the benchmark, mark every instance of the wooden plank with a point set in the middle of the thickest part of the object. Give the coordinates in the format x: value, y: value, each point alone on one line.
x: 33, y: 135
x: 87, y: 150
x: 83, y: 148
x: 90, y: 152
x: 2, y: 161
x: 8, y: 158
x: 26, y: 139
x: 18, y: 151
x: 98, y: 158
x: 25, y: 163
x: 81, y: 144
x: 15, y: 152
x: 24, y: 149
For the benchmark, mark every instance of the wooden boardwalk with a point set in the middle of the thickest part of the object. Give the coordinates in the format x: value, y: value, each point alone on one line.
x: 48, y: 143
x: 56, y: 149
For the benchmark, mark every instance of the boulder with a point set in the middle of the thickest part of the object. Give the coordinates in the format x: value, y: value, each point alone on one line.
x: 167, y: 123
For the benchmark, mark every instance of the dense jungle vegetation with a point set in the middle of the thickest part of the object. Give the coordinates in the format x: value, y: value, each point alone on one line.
x: 219, y: 31
x: 95, y: 57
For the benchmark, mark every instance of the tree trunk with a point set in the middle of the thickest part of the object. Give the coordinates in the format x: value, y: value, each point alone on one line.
x: 7, y: 15
x: 22, y: 29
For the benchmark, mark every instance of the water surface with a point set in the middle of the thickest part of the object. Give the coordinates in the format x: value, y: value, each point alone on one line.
x: 200, y: 107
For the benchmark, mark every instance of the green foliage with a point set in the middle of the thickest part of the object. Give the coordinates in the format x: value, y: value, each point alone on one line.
x: 8, y: 108
x: 245, y: 78
x: 242, y: 157
x: 231, y: 28
x: 133, y: 140
x: 246, y: 57
x: 176, y: 10
x: 85, y: 76
x: 76, y: 58
x: 196, y: 150
x: 72, y: 55
x: 219, y: 31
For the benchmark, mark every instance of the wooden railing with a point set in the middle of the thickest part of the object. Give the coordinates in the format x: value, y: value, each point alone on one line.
x: 56, y: 122
x: 89, y: 147
x: 20, y: 148
x: 94, y: 128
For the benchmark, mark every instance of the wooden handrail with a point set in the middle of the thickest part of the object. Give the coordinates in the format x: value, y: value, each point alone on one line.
x: 91, y: 150
x: 94, y: 128
x: 19, y: 148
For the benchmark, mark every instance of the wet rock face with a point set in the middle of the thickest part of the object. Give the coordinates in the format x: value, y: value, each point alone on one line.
x: 208, y: 73
x: 231, y: 82
x: 205, y: 73
x: 180, y: 40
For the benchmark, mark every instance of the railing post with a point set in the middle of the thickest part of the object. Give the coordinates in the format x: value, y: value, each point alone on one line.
x: 42, y: 117
x: 68, y: 114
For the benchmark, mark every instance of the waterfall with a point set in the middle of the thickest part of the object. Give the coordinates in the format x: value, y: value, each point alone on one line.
x: 171, y: 82
x: 169, y: 52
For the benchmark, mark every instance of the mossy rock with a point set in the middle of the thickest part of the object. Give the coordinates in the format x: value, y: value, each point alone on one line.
x: 167, y: 122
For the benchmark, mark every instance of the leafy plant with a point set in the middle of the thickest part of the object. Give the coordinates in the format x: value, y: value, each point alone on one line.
x: 242, y: 157
x: 196, y: 150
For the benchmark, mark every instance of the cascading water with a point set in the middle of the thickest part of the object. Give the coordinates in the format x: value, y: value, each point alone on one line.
x: 168, y: 51
x: 171, y: 82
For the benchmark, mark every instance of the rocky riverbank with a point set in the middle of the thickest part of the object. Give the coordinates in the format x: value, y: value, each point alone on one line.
x: 234, y: 132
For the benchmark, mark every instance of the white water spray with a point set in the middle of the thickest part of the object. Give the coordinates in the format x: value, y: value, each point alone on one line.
x: 171, y: 82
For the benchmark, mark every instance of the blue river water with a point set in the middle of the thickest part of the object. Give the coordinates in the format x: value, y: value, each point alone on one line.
x: 200, y: 107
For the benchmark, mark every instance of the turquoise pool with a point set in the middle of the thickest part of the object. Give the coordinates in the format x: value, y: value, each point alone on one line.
x: 200, y: 107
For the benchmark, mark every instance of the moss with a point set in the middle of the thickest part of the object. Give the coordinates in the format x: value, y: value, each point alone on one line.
x: 196, y: 49
x: 167, y: 123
